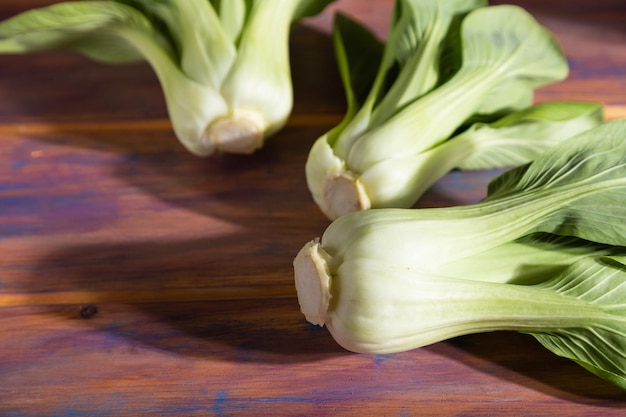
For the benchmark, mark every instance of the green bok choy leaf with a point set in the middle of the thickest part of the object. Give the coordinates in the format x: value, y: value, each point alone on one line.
x: 375, y: 156
x: 223, y: 65
x: 544, y: 253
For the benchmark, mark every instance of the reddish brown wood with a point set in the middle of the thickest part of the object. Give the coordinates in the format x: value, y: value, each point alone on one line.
x: 136, y: 279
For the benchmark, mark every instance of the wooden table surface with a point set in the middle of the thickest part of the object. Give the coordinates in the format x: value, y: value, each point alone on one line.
x: 137, y: 279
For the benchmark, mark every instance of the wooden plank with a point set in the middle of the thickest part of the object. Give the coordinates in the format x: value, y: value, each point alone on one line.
x: 144, y: 126
x: 238, y: 220
x: 259, y: 358
x: 64, y: 235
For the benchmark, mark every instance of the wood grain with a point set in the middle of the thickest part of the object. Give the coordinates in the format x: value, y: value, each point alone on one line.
x: 136, y: 279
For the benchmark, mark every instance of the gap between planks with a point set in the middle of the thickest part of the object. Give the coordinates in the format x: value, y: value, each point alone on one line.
x: 611, y: 112
x: 296, y: 120
x: 145, y: 296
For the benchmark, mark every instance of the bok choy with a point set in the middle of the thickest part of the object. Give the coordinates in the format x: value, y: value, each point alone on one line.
x: 223, y: 65
x: 544, y: 253
x: 449, y: 64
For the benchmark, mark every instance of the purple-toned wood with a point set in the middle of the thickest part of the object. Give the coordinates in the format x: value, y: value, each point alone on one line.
x: 137, y: 279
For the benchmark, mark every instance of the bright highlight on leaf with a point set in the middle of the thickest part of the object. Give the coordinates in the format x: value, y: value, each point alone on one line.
x: 223, y: 65
x: 449, y: 70
x: 544, y: 254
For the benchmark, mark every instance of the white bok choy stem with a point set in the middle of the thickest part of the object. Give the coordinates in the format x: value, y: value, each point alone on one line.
x: 378, y: 308
x: 531, y: 257
x: 506, y: 54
